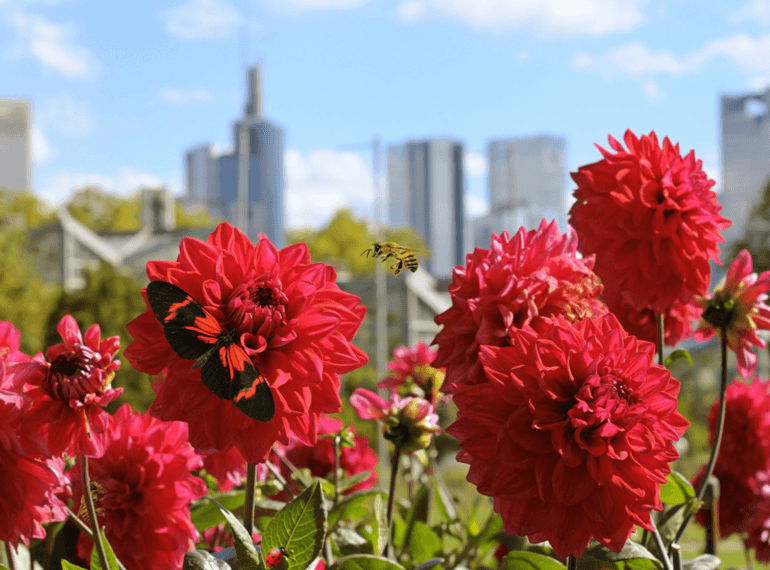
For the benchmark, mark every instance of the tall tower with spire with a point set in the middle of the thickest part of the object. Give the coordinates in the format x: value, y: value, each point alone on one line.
x: 256, y: 164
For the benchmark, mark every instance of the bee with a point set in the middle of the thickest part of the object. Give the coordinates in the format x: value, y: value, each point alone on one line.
x: 403, y: 256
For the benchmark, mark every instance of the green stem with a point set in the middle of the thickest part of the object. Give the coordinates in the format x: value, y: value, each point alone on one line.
x: 251, y: 484
x: 717, y: 438
x: 9, y: 555
x: 277, y: 474
x: 336, y: 468
x: 392, y: 494
x: 97, y: 538
x: 661, y: 546
x: 660, y: 336
x: 571, y: 562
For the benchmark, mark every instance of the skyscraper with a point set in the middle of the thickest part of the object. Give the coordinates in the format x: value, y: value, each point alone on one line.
x: 256, y: 163
x: 15, y: 144
x: 426, y: 190
x: 745, y: 157
x: 526, y: 184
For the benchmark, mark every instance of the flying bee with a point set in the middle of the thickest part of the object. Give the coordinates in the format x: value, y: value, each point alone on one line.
x: 403, y: 256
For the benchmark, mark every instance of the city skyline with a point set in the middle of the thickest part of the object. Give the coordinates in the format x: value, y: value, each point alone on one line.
x: 113, y: 110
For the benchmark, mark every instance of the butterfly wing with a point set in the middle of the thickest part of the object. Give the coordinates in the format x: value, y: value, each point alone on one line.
x: 189, y: 328
x: 230, y: 374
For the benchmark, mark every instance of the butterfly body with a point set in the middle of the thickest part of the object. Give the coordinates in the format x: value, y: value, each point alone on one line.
x: 195, y: 334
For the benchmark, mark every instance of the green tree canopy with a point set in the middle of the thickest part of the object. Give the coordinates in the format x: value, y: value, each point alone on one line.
x: 342, y: 241
x: 756, y: 236
x: 23, y: 210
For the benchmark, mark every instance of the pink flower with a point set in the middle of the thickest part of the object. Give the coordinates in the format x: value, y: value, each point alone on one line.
x: 411, y: 370
x: 28, y: 479
x: 10, y: 340
x: 520, y: 279
x: 71, y: 387
x: 758, y: 532
x: 650, y: 217
x: 145, y: 474
x: 572, y: 434
x: 738, y: 305
x: 294, y: 323
x: 409, y: 423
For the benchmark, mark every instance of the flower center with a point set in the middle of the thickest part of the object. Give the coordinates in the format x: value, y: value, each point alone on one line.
x: 74, y: 375
x: 718, y: 314
x: 258, y: 307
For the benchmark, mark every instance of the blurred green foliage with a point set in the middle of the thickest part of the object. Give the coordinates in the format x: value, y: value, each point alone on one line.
x: 342, y: 241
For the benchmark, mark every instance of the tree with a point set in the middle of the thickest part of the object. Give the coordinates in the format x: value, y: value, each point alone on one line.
x: 756, y: 237
x: 23, y: 210
x: 342, y: 241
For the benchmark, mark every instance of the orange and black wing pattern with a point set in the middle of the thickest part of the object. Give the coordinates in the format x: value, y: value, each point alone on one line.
x: 194, y: 334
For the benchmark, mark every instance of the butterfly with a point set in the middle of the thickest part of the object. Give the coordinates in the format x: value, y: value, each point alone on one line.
x: 194, y: 334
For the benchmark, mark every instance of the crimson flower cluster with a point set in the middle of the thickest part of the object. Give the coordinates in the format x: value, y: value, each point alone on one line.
x: 293, y: 321
x: 652, y: 221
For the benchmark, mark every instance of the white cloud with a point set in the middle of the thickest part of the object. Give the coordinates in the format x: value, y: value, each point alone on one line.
x: 410, y: 11
x: 636, y: 60
x: 186, y: 96
x: 582, y: 60
x: 201, y: 20
x: 756, y: 11
x: 475, y: 164
x: 323, y: 181
x: 68, y: 116
x: 51, y: 44
x: 652, y: 90
x: 306, y: 5
x: 475, y: 206
x: 58, y: 187
x: 572, y: 17
x: 41, y: 150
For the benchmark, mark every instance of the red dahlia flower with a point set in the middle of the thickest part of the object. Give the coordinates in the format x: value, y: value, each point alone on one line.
x: 572, y: 434
x: 411, y: 368
x: 319, y: 459
x: 738, y: 305
x: 145, y: 474
x: 758, y: 533
x: 738, y: 500
x: 227, y: 467
x: 294, y: 323
x: 27, y: 479
x: 518, y: 280
x: 10, y: 340
x: 71, y: 387
x: 651, y: 219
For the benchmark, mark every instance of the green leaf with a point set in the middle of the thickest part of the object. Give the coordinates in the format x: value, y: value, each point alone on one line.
x: 417, y: 512
x: 676, y: 490
x: 64, y: 565
x: 444, y: 501
x: 206, y: 514
x: 247, y: 556
x: 671, y: 520
x: 300, y: 528
x: 529, y: 561
x: 349, y: 542
x: 353, y: 506
x: 633, y: 556
x: 365, y: 562
x: 353, y: 480
x: 4, y: 567
x: 380, y: 530
x: 678, y: 355
x: 423, y: 542
x: 112, y: 562
x: 702, y: 562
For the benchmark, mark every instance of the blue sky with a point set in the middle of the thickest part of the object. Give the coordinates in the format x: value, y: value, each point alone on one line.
x: 121, y: 89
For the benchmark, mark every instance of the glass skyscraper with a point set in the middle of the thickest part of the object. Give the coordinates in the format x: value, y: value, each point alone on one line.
x: 15, y: 144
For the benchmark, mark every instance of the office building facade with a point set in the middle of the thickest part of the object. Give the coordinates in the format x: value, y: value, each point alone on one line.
x: 527, y: 182
x: 257, y: 163
x: 15, y: 145
x: 426, y: 191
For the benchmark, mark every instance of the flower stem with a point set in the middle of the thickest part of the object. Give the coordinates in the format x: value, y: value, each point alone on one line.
x: 717, y: 438
x: 661, y: 546
x: 571, y: 562
x: 660, y: 336
x: 336, y: 468
x: 92, y: 512
x: 9, y: 555
x: 392, y: 494
x: 251, y: 483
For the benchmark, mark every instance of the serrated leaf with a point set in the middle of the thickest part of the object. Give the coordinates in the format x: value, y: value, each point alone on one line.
x: 702, y: 562
x: 529, y: 561
x: 246, y: 554
x: 432, y: 563
x: 65, y: 566
x: 353, y: 506
x: 676, y: 490
x: 423, y: 542
x: 365, y: 562
x: 353, y: 480
x: 678, y: 355
x: 633, y: 556
x: 300, y: 528
x: 207, y: 515
x: 112, y: 562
